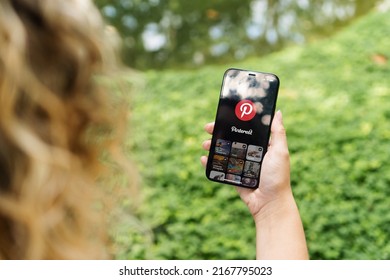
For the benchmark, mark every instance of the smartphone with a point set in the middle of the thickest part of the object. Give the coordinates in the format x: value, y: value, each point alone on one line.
x: 242, y: 127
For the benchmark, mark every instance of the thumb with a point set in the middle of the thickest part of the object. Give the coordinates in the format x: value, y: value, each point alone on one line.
x: 278, y: 132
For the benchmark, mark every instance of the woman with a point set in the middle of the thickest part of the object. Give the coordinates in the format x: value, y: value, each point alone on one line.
x: 56, y: 123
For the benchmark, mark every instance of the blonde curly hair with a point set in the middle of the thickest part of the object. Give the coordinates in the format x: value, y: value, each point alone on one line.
x: 55, y: 121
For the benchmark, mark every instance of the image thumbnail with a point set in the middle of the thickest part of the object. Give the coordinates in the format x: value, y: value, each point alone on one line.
x: 233, y: 178
x: 235, y: 166
x: 219, y: 162
x: 238, y: 150
x: 255, y: 153
x: 251, y: 169
x: 215, y: 175
x: 222, y: 147
x: 249, y: 182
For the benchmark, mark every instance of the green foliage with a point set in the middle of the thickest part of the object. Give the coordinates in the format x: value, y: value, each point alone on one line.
x: 334, y: 98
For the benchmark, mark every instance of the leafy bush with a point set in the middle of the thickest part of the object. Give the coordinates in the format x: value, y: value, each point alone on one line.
x: 334, y: 96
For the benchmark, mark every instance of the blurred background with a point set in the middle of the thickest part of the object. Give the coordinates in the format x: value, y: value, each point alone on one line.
x: 332, y: 60
x: 174, y: 33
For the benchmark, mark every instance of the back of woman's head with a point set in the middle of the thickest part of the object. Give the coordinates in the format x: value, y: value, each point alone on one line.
x: 51, y: 114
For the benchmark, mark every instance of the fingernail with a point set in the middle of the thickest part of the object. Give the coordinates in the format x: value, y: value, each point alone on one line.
x: 280, y: 115
x: 208, y: 126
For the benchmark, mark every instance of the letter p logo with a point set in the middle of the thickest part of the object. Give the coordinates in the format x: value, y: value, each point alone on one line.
x: 245, y: 110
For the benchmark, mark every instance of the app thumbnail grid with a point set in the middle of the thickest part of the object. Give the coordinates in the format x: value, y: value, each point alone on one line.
x: 236, y: 162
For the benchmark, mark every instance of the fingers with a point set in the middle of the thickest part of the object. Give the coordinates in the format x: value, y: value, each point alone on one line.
x: 203, y: 160
x: 206, y: 145
x: 278, y: 133
x: 209, y: 128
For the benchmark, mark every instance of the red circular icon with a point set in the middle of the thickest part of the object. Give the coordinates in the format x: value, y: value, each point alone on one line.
x: 245, y: 110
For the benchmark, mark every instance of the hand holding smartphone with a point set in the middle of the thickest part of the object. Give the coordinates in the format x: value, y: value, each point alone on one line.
x: 242, y: 127
x: 232, y: 160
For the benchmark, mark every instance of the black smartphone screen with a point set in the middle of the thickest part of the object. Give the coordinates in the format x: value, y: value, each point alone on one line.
x: 242, y: 127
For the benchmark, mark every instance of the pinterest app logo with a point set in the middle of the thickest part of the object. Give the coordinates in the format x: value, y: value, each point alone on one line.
x: 245, y: 110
